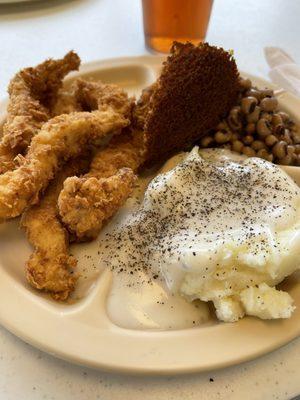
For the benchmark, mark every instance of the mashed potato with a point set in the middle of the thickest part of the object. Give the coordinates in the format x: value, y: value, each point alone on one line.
x: 244, y: 238
x: 218, y: 227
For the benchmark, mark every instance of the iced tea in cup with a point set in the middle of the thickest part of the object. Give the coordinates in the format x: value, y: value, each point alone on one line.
x: 180, y: 20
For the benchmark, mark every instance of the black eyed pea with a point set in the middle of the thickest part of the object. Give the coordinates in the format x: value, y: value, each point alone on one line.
x: 296, y: 137
x: 266, y: 93
x: 267, y: 116
x: 245, y: 83
x: 270, y: 140
x: 248, y: 104
x: 235, y: 119
x: 287, y: 137
x: 284, y: 116
x: 294, y: 159
x: 277, y: 120
x: 251, y: 128
x: 252, y: 92
x: 263, y: 153
x: 237, y: 146
x: 206, y: 141
x: 287, y: 160
x: 234, y: 136
x: 248, y: 151
x: 278, y: 130
x: 248, y: 139
x: 258, y: 145
x: 269, y: 104
x: 279, y: 149
x: 290, y: 124
x: 263, y: 127
x: 290, y: 150
x: 222, y: 137
x: 254, y: 116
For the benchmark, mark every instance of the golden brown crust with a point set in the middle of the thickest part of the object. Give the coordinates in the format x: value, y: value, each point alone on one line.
x: 50, y: 267
x: 63, y: 137
x: 142, y: 108
x: 80, y: 204
x: 46, y: 79
x: 85, y: 203
x: 125, y: 150
x: 197, y: 87
x: 98, y: 96
x: 66, y: 101
x: 31, y: 94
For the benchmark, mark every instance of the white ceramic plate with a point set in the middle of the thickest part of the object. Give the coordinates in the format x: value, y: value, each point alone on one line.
x: 82, y: 332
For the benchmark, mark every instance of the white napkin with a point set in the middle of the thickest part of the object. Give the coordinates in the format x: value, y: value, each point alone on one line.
x: 284, y: 71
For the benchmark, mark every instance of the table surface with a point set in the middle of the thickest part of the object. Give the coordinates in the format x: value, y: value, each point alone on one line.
x: 97, y: 29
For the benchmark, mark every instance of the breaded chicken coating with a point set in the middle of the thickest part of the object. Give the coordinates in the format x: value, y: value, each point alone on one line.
x: 50, y: 267
x: 80, y: 205
x: 63, y: 137
x: 31, y: 93
x: 87, y: 202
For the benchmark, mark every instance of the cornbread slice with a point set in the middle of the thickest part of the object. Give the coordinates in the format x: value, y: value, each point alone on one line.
x: 197, y: 87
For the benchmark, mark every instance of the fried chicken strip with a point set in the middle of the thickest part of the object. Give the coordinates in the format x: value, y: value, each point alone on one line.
x: 31, y: 95
x: 63, y: 137
x: 66, y: 101
x: 50, y: 267
x: 99, y: 96
x: 85, y: 203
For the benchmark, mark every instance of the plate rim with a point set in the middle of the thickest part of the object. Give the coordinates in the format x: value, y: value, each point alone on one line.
x: 23, y: 293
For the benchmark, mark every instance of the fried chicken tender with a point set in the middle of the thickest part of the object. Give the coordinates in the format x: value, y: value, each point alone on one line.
x: 50, y: 267
x: 86, y: 95
x: 63, y: 137
x: 31, y: 94
x: 99, y: 96
x: 125, y: 150
x: 86, y: 203
x: 66, y: 101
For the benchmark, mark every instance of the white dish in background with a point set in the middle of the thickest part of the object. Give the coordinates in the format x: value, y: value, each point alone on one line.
x: 16, y: 1
x: 83, y: 333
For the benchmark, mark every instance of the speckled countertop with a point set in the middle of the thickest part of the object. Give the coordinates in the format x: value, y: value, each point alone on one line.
x: 98, y: 29
x: 27, y: 373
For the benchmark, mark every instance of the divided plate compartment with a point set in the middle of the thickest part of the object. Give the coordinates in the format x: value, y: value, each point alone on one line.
x: 83, y: 333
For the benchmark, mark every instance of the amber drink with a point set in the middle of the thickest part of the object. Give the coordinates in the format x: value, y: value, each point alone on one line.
x: 169, y: 20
